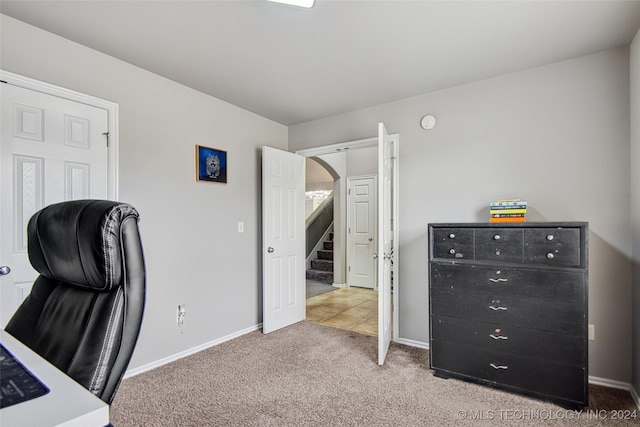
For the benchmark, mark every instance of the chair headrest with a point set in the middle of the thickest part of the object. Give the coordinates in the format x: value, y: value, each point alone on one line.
x: 79, y: 242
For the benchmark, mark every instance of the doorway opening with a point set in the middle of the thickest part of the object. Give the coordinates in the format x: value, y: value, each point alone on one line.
x: 347, y: 304
x: 319, y: 214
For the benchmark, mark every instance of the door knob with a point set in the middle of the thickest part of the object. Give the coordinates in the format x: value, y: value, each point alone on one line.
x: 270, y: 249
x: 371, y: 239
x: 4, y: 270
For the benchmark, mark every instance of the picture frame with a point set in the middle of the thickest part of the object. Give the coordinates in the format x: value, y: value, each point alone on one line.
x: 211, y: 164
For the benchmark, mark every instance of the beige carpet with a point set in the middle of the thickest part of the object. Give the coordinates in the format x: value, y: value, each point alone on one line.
x: 313, y: 375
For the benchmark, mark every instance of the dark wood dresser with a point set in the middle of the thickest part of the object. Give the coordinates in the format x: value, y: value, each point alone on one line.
x: 508, y: 307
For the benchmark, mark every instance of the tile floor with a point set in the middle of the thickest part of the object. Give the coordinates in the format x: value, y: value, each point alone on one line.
x: 354, y: 309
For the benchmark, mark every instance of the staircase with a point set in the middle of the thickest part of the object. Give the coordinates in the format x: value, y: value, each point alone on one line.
x: 322, y: 267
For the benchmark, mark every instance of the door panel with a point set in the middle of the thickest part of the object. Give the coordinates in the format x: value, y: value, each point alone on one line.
x: 53, y: 149
x: 283, y: 261
x: 361, y: 231
x: 385, y: 169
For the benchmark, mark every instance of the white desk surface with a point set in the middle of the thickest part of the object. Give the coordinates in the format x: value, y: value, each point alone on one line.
x: 67, y: 403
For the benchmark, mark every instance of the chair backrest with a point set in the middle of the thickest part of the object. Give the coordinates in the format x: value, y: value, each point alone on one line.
x: 85, y: 309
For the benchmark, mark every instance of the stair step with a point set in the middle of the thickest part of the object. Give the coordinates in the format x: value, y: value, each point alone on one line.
x: 320, y: 276
x: 322, y: 264
x: 325, y: 254
x: 328, y: 245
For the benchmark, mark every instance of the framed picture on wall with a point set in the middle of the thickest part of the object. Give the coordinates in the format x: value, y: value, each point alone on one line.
x: 211, y: 164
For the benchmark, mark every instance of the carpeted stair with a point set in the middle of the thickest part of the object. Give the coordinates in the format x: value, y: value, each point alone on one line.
x: 322, y: 267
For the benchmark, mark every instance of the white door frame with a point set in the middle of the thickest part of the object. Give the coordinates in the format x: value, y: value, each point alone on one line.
x: 366, y: 143
x: 112, y: 118
x: 350, y: 238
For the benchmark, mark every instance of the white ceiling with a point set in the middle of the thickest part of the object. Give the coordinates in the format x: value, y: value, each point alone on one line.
x: 294, y: 65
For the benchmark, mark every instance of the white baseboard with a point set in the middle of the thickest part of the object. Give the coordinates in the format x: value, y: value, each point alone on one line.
x: 609, y: 383
x: 413, y: 343
x: 188, y: 352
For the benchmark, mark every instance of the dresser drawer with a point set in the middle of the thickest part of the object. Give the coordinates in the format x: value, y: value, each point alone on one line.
x: 566, y: 349
x: 522, y: 373
x: 453, y: 243
x: 559, y: 285
x: 552, y: 246
x: 498, y: 244
x: 545, y: 315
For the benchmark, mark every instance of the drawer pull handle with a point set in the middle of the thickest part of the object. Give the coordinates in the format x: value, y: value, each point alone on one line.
x: 491, y: 279
x: 550, y: 237
x: 452, y: 236
x: 452, y: 251
x: 497, y: 308
x: 550, y: 255
x: 498, y: 337
x: 496, y: 237
x: 494, y: 366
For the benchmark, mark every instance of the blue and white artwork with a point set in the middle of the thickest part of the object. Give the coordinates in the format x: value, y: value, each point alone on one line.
x: 211, y: 164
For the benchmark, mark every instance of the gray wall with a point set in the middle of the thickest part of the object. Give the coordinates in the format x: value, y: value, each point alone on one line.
x: 635, y: 205
x: 193, y: 252
x: 556, y: 135
x: 363, y: 161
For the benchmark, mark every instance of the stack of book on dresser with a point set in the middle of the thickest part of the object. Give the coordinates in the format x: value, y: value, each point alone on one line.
x: 509, y: 210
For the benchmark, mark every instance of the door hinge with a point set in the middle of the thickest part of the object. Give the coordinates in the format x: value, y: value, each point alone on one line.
x: 348, y: 192
x: 106, y: 136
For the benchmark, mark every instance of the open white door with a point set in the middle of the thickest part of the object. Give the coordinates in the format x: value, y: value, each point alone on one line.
x: 385, y: 169
x: 283, y: 239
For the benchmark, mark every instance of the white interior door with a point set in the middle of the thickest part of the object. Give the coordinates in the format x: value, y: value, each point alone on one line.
x: 283, y: 239
x: 361, y: 231
x: 385, y: 238
x: 52, y: 149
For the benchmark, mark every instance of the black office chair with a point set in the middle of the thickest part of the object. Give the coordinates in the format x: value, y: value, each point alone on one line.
x: 85, y: 309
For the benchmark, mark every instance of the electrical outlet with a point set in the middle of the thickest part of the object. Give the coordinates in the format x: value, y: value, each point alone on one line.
x: 592, y: 333
x: 182, y: 312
